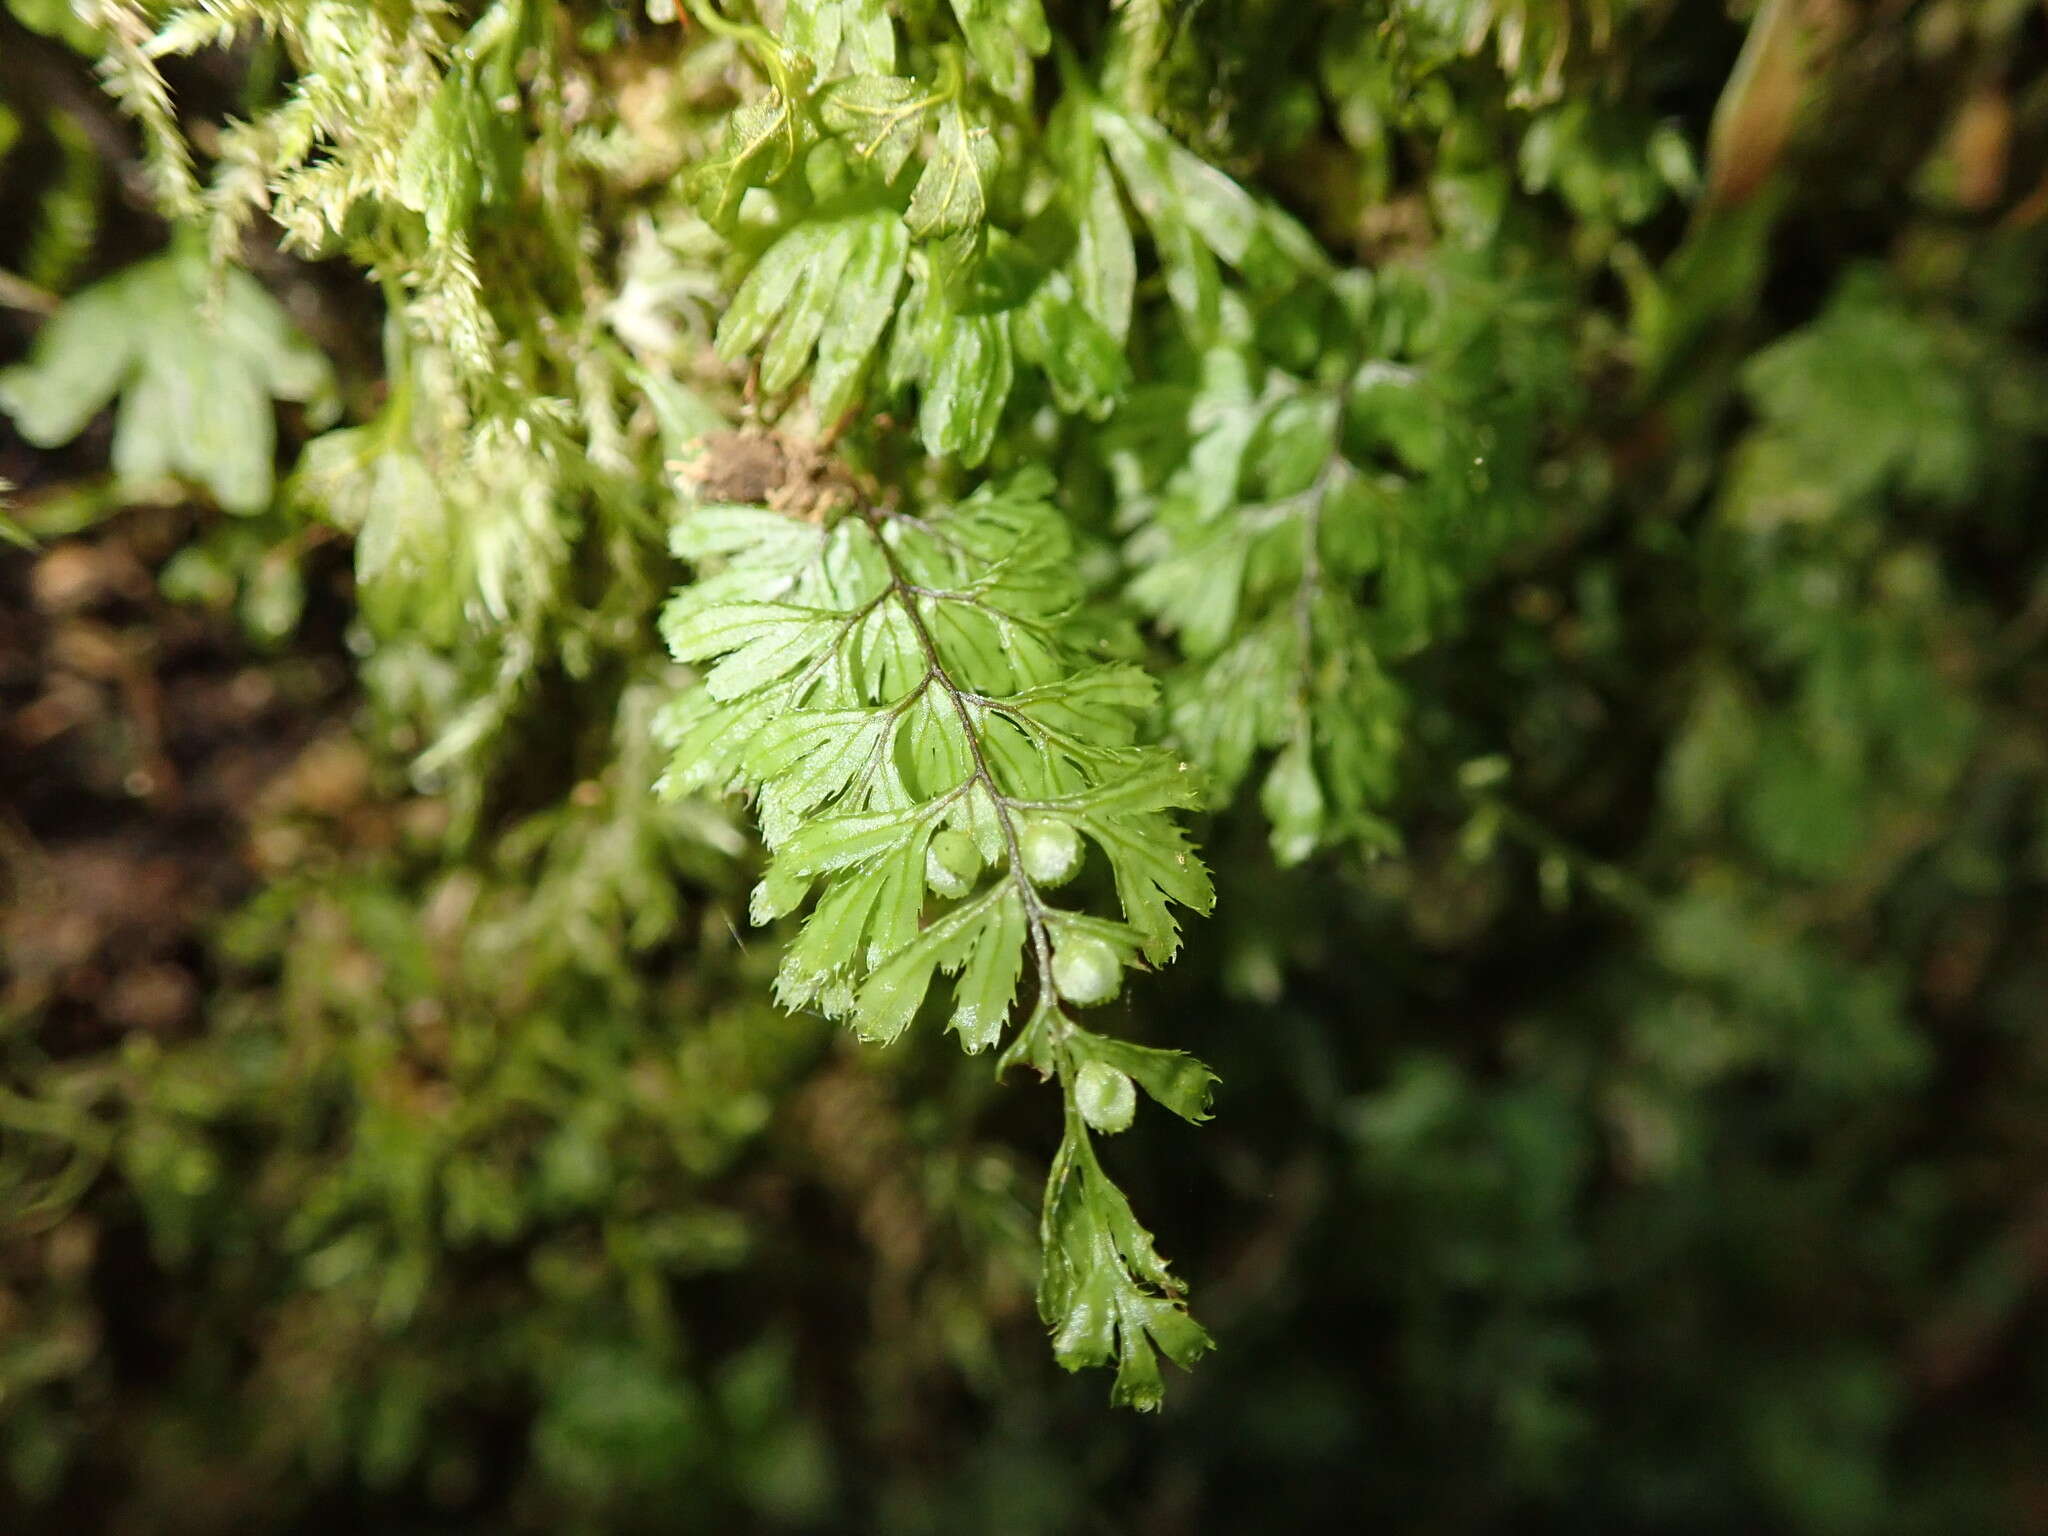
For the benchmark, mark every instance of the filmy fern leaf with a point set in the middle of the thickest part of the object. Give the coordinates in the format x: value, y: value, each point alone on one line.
x: 933, y: 744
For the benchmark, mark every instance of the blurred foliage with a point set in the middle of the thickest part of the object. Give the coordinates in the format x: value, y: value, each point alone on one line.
x: 1571, y: 468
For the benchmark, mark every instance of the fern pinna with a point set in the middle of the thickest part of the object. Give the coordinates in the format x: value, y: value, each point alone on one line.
x: 933, y: 743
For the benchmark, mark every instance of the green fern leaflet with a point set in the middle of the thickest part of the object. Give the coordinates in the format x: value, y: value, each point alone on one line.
x: 933, y: 744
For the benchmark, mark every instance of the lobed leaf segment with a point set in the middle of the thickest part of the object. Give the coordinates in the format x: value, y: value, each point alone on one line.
x: 933, y: 748
x: 195, y: 369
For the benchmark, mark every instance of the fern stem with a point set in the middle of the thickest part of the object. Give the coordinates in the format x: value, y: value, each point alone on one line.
x: 905, y: 592
x: 766, y: 51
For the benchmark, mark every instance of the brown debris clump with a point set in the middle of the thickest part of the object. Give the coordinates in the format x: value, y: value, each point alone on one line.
x: 770, y: 469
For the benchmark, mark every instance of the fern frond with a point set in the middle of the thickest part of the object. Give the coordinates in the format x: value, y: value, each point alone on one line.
x: 932, y: 746
x: 1299, y: 537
